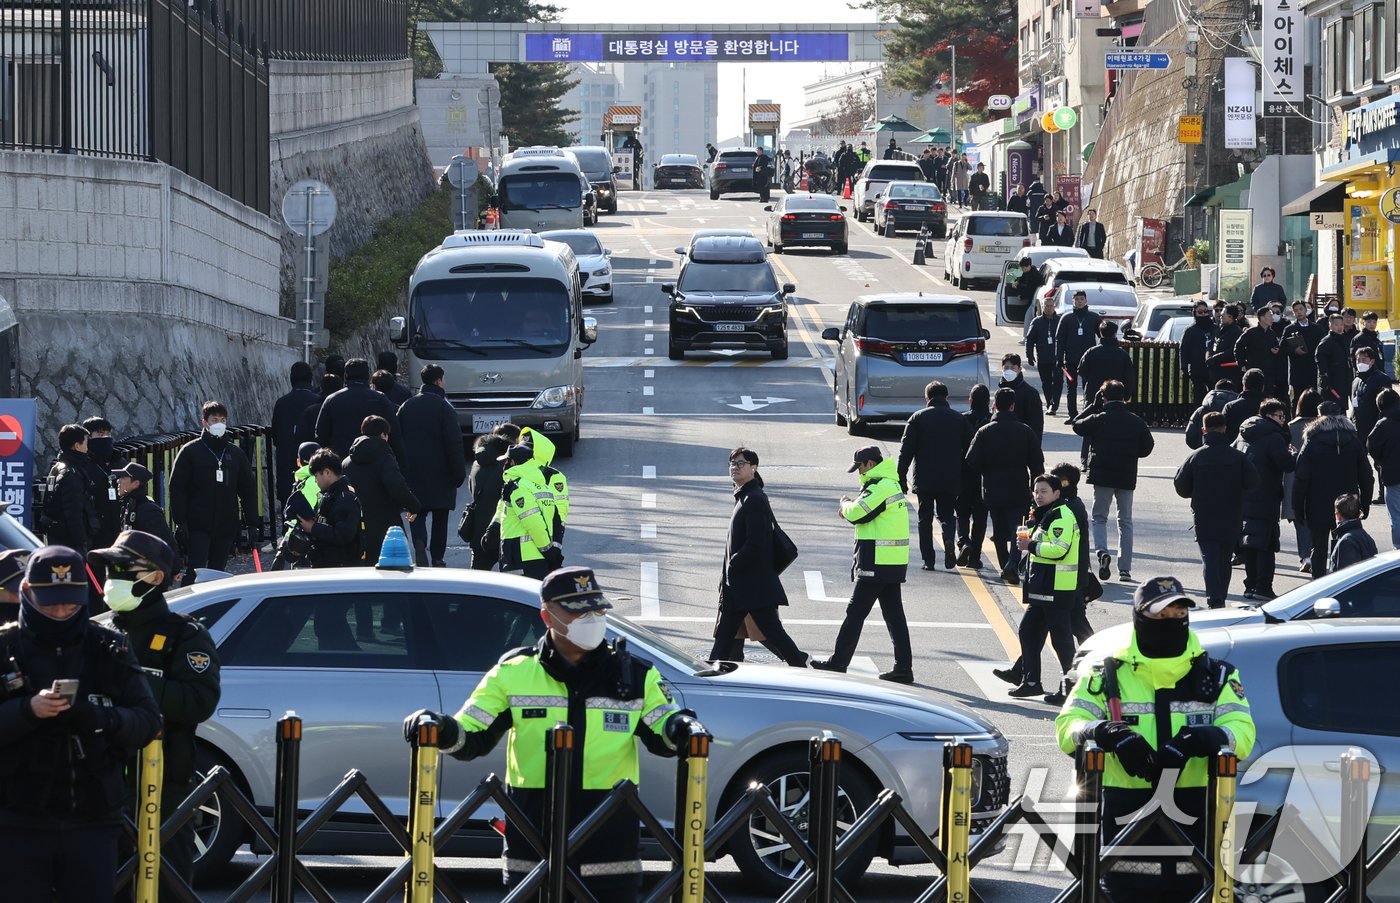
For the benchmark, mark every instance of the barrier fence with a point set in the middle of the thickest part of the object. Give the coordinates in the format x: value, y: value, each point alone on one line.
x: 1163, y: 394
x: 820, y: 846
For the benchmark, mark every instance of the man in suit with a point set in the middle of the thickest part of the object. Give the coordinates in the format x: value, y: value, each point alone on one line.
x: 1061, y: 233
x: 1092, y: 236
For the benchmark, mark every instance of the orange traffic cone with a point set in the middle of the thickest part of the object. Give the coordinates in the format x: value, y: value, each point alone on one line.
x: 490, y: 218
x: 846, y: 192
x: 803, y: 186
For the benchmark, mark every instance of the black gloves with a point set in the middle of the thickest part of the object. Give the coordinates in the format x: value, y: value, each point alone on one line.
x: 90, y: 718
x: 554, y: 557
x: 1190, y: 743
x: 1134, y: 753
x: 446, y: 724
x: 680, y: 727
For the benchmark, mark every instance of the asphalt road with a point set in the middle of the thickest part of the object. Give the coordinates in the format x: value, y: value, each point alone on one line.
x: 651, y: 499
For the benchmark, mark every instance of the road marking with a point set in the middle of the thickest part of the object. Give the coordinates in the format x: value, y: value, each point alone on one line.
x: 863, y: 665
x: 827, y: 622
x: 816, y: 588
x: 646, y: 309
x: 644, y: 411
x: 651, y: 279
x: 648, y: 531
x: 648, y: 500
x: 1006, y: 634
x: 649, y: 337
x: 993, y: 687
x: 750, y: 404
x: 760, y: 415
x: 648, y: 374
x: 650, y: 590
x: 602, y: 363
x: 648, y: 471
x: 803, y: 331
x: 648, y: 351
x: 648, y: 324
x: 648, y: 390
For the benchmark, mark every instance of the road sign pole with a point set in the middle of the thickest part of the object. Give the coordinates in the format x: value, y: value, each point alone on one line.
x: 309, y: 326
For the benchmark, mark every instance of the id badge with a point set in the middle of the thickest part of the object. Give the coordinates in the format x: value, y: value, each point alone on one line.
x: 111, y: 494
x: 219, y: 475
x: 1081, y: 332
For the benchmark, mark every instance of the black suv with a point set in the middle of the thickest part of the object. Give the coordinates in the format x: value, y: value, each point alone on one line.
x: 728, y: 297
x: 732, y: 172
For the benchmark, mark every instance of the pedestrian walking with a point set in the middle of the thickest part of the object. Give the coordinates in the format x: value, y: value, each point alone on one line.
x: 1267, y: 291
x: 1157, y: 750
x: 1040, y: 348
x: 935, y: 442
x: 1333, y: 357
x: 379, y: 484
x: 750, y: 586
x: 1216, y: 400
x: 1215, y: 479
x: 1383, y: 443
x: 1061, y: 233
x: 1105, y: 361
x: 1075, y: 335
x: 1258, y: 348
x: 1221, y: 362
x: 1029, y: 407
x: 1266, y: 444
x: 1370, y: 381
x: 1305, y: 412
x: 395, y: 391
x: 336, y: 527
x: 978, y: 186
x: 972, y: 509
x: 212, y: 494
x: 286, y: 420
x: 1117, y: 440
x: 1351, y: 543
x: 1299, y: 344
x: 1006, y: 455
x: 879, y: 564
x: 435, y: 463
x: 342, y: 413
x: 1246, y: 405
x: 179, y: 660
x: 1368, y: 337
x: 1051, y: 541
x: 484, y: 490
x: 1091, y: 236
x: 1195, y: 347
x: 1332, y: 462
x: 962, y: 176
x: 77, y: 712
x: 69, y: 516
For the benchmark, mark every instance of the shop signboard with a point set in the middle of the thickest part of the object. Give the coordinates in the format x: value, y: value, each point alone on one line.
x: 1327, y: 220
x: 1088, y: 9
x: 1068, y: 187
x: 1390, y: 205
x: 1026, y: 106
x: 1189, y: 129
x: 1284, y: 40
x: 1020, y: 163
x: 1373, y: 128
x: 1240, y: 129
x: 1235, y: 248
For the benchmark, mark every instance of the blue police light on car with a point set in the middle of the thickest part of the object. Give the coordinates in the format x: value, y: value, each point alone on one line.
x: 394, y: 554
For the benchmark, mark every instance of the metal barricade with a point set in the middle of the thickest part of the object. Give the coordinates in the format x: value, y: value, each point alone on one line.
x: 1163, y: 395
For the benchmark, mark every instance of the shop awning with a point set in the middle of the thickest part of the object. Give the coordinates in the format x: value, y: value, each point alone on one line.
x: 1199, y: 198
x: 1326, y: 198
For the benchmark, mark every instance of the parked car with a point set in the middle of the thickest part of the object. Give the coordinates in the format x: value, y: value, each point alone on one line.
x: 713, y: 233
x: 910, y: 205
x: 291, y: 641
x: 732, y: 172
x: 892, y: 346
x: 1109, y: 300
x: 677, y: 171
x: 1155, y: 312
x: 594, y: 267
x: 981, y: 244
x: 1055, y: 272
x: 1010, y: 310
x: 807, y: 220
x: 1173, y: 330
x: 876, y: 175
x: 727, y: 296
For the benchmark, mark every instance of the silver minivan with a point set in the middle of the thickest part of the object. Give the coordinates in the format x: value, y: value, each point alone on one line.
x: 892, y: 346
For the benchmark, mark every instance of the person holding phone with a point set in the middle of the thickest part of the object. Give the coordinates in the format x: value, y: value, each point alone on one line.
x: 74, y: 709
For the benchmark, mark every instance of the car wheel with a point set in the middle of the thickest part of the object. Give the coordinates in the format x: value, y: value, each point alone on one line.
x: 840, y: 248
x: 675, y: 352
x: 780, y: 353
x: 777, y: 249
x: 714, y: 195
x: 957, y: 282
x: 216, y: 838
x: 1274, y: 879
x: 764, y: 858
x: 854, y: 425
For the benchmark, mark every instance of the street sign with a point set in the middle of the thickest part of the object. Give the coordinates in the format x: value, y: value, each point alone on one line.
x: 309, y: 205
x: 1130, y: 60
x: 309, y: 210
x: 17, y: 465
x: 1327, y: 221
x: 461, y: 171
x: 1189, y: 129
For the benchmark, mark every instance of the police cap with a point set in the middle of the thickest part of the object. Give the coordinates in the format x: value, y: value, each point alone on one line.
x: 1152, y: 596
x: 574, y: 589
x: 134, y: 471
x: 135, y: 547
x: 870, y: 454
x: 57, y: 576
x: 517, y: 454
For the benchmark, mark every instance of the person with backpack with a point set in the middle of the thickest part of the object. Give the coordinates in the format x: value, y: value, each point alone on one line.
x: 1215, y: 401
x: 336, y: 526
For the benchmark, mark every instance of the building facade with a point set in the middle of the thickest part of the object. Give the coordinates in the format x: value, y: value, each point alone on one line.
x: 679, y: 101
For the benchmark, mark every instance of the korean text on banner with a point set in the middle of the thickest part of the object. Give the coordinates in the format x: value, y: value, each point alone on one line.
x: 17, y: 432
x: 1235, y: 251
x: 1240, y: 129
x: 1284, y: 39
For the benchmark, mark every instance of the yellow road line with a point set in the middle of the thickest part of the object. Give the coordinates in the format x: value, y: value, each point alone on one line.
x: 992, y: 612
x: 803, y: 330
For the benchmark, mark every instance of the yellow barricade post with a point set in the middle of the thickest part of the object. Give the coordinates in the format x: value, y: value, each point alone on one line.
x: 1224, y: 771
x: 955, y: 827
x: 148, y: 823
x: 423, y: 814
x: 693, y: 815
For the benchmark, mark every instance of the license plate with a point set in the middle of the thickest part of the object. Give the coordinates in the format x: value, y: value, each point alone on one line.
x: 933, y: 357
x: 738, y: 170
x: 992, y: 249
x: 485, y: 423
x: 678, y: 181
x: 919, y: 207
x: 729, y: 327
x: 813, y: 235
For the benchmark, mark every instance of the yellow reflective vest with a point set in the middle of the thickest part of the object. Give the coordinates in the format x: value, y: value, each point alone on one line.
x: 881, y: 517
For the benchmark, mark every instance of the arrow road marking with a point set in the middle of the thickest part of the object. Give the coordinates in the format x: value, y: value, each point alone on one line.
x: 816, y: 588
x: 751, y: 404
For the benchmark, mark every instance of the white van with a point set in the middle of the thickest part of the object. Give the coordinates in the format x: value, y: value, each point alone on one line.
x: 502, y: 313
x: 541, y: 188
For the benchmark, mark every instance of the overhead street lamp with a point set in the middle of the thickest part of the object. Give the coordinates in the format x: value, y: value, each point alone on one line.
x: 953, y: 95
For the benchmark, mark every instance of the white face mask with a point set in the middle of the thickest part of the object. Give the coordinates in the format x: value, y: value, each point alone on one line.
x: 1362, y: 368
x: 217, y: 429
x: 1009, y: 375
x: 120, y: 595
x: 586, y: 632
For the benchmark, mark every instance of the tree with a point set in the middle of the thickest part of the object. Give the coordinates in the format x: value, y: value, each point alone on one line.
x: 853, y: 109
x: 918, y: 52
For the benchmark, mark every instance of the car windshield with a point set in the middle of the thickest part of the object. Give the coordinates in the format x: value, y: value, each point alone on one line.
x: 895, y: 173
x: 924, y: 192
x: 750, y: 278
x: 1102, y: 298
x: 737, y: 159
x: 500, y: 317
x: 656, y: 644
x: 1001, y: 226
x: 582, y: 244
x: 908, y: 322
x: 811, y: 203
x: 1160, y: 315
x: 594, y: 163
x: 540, y: 191
x: 14, y: 535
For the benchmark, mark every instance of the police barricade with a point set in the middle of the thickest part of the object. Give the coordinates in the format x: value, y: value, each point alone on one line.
x: 1163, y: 395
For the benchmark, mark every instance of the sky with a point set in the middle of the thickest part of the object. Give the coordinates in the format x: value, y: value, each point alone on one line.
x: 777, y: 82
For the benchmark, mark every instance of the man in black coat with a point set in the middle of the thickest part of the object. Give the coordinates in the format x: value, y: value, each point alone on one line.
x: 1258, y: 349
x: 103, y: 460
x: 1061, y: 234
x: 762, y: 175
x: 338, y: 424
x: 1384, y: 445
x: 179, y: 660
x: 1369, y: 383
x: 1247, y: 405
x: 69, y: 516
x: 1105, y: 361
x: 331, y: 383
x: 435, y: 463
x: 286, y: 419
x: 749, y: 584
x: 1075, y: 335
x: 380, y: 486
x: 139, y: 512
x: 1332, y: 462
x: 1350, y: 541
x: 1007, y: 455
x: 1300, y: 340
x: 1195, y: 346
x: 336, y: 526
x: 1333, y: 357
x: 1030, y: 410
x: 209, y: 481
x: 1117, y: 438
x: 1220, y: 358
x: 397, y: 392
x: 1265, y: 442
x: 1368, y: 337
x: 1092, y: 236
x: 935, y: 441
x: 484, y: 485
x: 1040, y: 350
x: 1216, y: 399
x: 1215, y: 479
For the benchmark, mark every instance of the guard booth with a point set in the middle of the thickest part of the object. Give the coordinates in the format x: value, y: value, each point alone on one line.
x: 619, y: 123
x: 765, y: 121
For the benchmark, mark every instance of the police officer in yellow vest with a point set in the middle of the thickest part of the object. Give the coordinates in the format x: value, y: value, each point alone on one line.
x: 524, y: 515
x: 610, y: 697
x: 881, y: 560
x: 1161, y: 707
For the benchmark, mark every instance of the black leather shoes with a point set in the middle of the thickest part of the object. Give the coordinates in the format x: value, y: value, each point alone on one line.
x: 1025, y: 691
x: 826, y: 664
x: 898, y: 676
x: 1011, y: 675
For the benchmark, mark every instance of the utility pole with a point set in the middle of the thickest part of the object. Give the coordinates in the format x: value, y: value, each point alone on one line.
x: 953, y: 107
x: 1190, y: 83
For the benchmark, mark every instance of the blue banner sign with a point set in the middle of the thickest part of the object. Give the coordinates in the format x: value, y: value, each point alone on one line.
x: 1136, y: 61
x: 17, y: 416
x: 599, y: 47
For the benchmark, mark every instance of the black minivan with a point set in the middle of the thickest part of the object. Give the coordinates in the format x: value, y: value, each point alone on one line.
x: 597, y: 167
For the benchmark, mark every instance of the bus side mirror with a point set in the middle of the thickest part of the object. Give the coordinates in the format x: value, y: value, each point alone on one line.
x: 398, y: 330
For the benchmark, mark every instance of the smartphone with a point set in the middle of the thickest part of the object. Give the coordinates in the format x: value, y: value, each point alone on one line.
x: 67, y: 688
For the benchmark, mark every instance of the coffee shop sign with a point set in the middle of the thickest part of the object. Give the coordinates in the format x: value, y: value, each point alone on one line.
x: 1368, y: 121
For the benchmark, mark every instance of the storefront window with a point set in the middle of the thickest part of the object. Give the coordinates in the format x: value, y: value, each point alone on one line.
x: 1335, y: 57
x: 1360, y: 47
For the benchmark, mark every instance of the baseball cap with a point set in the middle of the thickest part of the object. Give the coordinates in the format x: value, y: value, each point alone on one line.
x: 57, y: 575
x: 518, y: 454
x: 134, y: 546
x: 1151, y: 596
x: 12, y: 562
x: 868, y: 454
x: 306, y: 450
x: 134, y: 471
x: 575, y: 589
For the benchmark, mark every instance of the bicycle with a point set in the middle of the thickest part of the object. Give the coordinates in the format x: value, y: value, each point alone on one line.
x: 1153, y: 275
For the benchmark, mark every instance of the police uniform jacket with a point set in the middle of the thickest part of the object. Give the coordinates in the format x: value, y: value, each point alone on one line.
x: 881, y: 518
x: 182, y: 668
x: 70, y: 517
x: 336, y: 539
x: 612, y: 698
x: 200, y: 500
x: 52, y: 774
x: 140, y: 513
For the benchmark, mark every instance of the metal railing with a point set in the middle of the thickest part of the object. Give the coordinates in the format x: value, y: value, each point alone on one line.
x: 1163, y: 395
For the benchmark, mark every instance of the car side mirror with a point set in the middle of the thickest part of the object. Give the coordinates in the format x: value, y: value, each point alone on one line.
x: 831, y: 334
x: 680, y: 251
x: 769, y: 208
x: 986, y: 333
x: 607, y: 252
x: 398, y: 330
x: 668, y: 288
x: 589, y: 332
x: 842, y: 209
x: 1327, y: 608
x: 789, y: 288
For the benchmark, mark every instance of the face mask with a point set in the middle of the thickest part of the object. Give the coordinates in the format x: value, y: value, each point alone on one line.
x: 1161, y: 637
x: 100, y: 447
x: 1203, y: 318
x: 587, y: 632
x: 51, y: 631
x: 1009, y: 375
x: 121, y: 595
x: 1362, y: 368
x: 1331, y: 310
x: 217, y: 430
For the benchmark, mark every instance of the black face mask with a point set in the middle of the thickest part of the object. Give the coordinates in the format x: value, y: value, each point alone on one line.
x: 1204, y: 320
x: 46, y: 629
x: 100, y: 447
x: 1161, y: 637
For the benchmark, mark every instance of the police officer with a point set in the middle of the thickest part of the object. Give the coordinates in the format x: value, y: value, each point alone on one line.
x: 70, y: 516
x: 1119, y: 704
x: 74, y: 708
x: 178, y: 656
x: 12, y: 564
x: 879, y: 565
x: 524, y: 516
x: 138, y: 512
x: 611, y: 698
